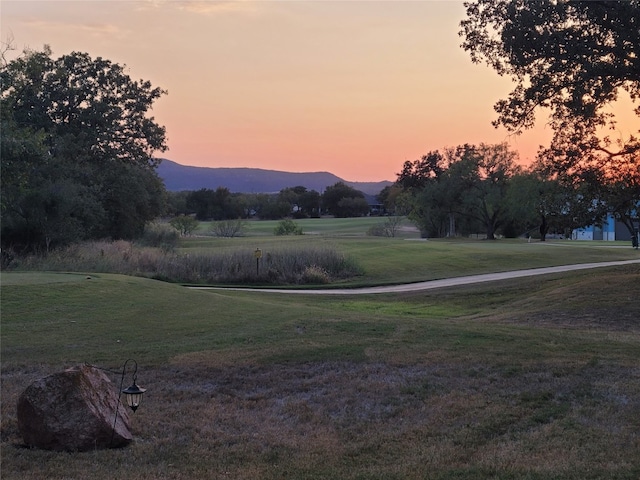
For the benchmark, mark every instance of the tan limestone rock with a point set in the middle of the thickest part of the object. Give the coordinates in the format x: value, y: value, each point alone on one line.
x: 73, y: 410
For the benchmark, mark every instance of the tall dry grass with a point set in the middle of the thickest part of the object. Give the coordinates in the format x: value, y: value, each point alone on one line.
x: 236, y: 265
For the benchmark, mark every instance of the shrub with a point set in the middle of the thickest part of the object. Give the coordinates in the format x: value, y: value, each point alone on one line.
x: 287, y: 227
x: 229, y: 228
x: 388, y: 228
x: 315, y: 274
x: 185, y: 224
x: 7, y: 259
x: 159, y: 235
x: 377, y: 230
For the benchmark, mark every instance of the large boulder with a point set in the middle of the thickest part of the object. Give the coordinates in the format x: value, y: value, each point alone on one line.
x: 73, y: 410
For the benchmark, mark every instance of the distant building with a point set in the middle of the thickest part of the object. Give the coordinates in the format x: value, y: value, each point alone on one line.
x: 610, y: 230
x: 607, y: 231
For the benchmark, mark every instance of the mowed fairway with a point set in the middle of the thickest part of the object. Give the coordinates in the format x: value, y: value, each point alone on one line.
x: 535, y: 378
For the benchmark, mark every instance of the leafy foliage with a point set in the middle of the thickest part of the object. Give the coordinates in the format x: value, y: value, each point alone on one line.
x: 77, y: 151
x: 302, y: 203
x: 388, y: 228
x: 343, y: 201
x: 185, y: 224
x: 574, y: 59
x: 287, y: 227
x: 465, y: 185
x: 161, y: 235
x: 218, y: 204
x: 483, y: 173
x: 609, y: 184
x: 539, y: 205
x: 418, y: 173
x: 229, y: 228
x: 391, y: 199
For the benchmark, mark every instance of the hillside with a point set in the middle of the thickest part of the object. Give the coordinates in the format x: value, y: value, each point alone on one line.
x: 252, y: 180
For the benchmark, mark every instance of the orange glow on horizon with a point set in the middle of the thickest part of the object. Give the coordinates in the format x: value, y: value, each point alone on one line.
x: 353, y: 88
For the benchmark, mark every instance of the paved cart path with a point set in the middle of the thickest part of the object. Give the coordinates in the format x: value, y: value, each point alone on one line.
x: 431, y: 284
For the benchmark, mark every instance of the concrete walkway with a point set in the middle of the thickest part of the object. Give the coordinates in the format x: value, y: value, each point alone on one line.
x: 432, y: 284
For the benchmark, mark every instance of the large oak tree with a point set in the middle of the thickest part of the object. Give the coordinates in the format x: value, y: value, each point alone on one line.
x: 78, y: 148
x: 574, y: 59
x: 467, y: 184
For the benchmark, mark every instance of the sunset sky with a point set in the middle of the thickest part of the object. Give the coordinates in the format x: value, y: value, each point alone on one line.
x: 350, y: 87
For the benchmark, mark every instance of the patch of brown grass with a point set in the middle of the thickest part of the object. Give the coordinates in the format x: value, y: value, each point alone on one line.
x: 588, y: 303
x: 333, y: 419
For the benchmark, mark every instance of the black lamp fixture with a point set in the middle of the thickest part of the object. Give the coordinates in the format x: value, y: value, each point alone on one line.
x: 133, y: 393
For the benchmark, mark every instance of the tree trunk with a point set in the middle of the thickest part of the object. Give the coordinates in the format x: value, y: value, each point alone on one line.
x: 491, y: 231
x: 544, y: 228
x: 452, y: 225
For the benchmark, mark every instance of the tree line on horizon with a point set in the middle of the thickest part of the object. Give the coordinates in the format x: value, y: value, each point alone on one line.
x: 473, y: 189
x: 78, y: 144
x: 339, y: 200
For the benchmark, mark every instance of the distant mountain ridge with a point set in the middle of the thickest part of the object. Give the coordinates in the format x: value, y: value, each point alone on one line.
x: 178, y: 177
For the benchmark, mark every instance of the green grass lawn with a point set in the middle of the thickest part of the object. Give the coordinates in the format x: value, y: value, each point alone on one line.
x: 536, y: 378
x: 395, y: 260
x: 319, y: 226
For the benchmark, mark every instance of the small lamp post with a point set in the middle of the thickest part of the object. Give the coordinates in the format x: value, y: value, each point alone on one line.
x: 258, y: 255
x: 133, y: 393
